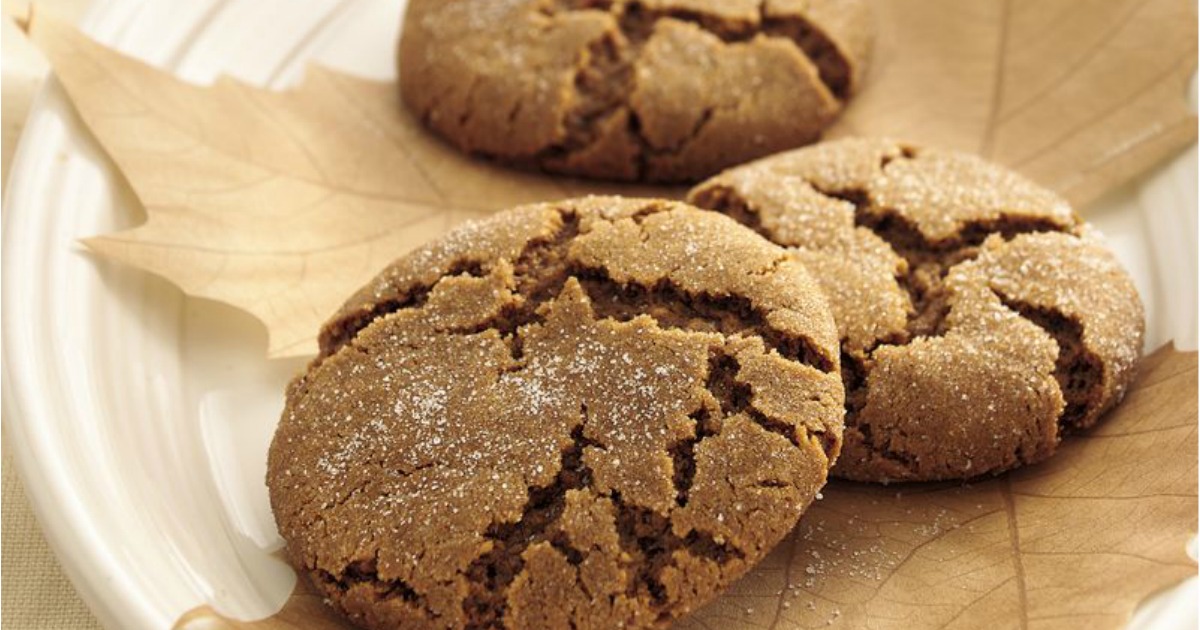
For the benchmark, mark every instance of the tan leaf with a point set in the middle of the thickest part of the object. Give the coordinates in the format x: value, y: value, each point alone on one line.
x: 1075, y: 542
x: 1080, y: 95
x: 303, y: 610
x: 282, y: 203
x: 279, y: 203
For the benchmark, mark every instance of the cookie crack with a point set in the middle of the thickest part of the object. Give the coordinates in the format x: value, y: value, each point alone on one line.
x: 927, y: 263
x: 729, y: 397
x: 854, y: 381
x: 534, y: 267
x: 683, y: 452
x: 737, y: 397
x: 638, y: 22
x: 490, y: 575
x: 1077, y: 370
x: 541, y: 271
x: 365, y: 574
x: 603, y: 84
x: 648, y: 540
x: 604, y: 80
x: 672, y: 307
x: 833, y: 67
x: 341, y: 333
x: 729, y: 202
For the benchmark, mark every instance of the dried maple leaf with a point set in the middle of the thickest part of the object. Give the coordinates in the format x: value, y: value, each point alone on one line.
x: 1077, y: 541
x: 282, y: 203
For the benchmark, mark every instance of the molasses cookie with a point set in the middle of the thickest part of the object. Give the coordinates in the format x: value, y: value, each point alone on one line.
x: 980, y: 319
x: 588, y: 414
x: 653, y: 90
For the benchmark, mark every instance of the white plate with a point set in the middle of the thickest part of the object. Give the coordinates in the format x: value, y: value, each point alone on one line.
x: 139, y: 419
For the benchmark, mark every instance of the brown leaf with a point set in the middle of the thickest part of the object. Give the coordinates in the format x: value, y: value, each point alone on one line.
x: 1077, y: 541
x: 282, y: 203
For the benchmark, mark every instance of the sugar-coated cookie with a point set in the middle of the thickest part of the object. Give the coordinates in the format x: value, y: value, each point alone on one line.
x: 653, y: 90
x: 588, y: 414
x: 980, y: 319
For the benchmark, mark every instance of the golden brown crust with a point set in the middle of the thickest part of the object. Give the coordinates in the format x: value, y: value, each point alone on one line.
x: 598, y: 411
x: 656, y: 90
x: 979, y: 317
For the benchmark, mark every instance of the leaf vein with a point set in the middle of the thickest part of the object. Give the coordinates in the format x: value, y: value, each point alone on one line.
x: 1014, y: 535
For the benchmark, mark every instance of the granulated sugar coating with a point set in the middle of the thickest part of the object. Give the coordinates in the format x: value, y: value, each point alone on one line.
x: 589, y: 414
x: 980, y: 319
x: 655, y: 90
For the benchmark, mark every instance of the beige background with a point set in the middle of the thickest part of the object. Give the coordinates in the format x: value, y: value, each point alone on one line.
x: 35, y: 594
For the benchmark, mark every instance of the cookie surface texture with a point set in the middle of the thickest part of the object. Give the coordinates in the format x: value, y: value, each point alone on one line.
x: 980, y: 319
x: 591, y: 414
x: 651, y: 90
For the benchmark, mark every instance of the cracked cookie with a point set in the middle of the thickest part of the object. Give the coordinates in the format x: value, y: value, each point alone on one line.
x: 651, y: 90
x: 589, y: 414
x: 980, y: 319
